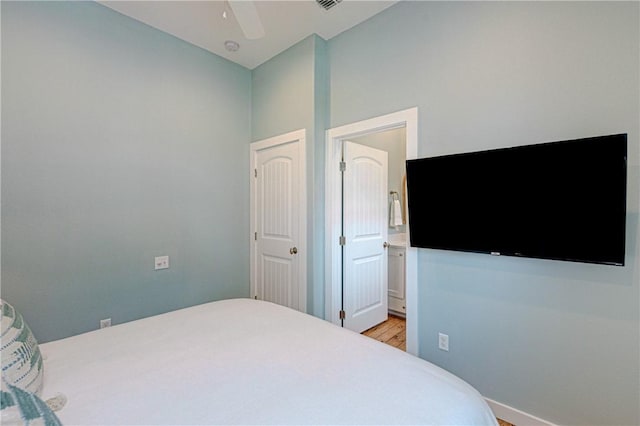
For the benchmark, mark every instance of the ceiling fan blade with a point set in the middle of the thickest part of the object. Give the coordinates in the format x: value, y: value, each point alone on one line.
x: 247, y: 16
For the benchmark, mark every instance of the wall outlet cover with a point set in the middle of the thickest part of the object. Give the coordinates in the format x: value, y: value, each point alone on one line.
x: 443, y: 341
x: 161, y: 262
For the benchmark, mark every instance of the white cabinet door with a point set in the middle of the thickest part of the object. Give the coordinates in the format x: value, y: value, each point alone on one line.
x: 397, y: 279
x: 365, y: 229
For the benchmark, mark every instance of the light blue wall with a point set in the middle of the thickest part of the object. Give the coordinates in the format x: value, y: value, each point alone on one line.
x: 283, y: 91
x: 394, y: 142
x: 555, y: 339
x: 290, y: 92
x: 321, y: 109
x: 119, y: 143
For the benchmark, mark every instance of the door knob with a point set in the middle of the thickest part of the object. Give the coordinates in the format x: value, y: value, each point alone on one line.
x: 385, y: 244
x: 293, y: 250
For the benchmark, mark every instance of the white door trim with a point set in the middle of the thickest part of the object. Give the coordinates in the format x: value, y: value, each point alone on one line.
x: 297, y: 135
x: 333, y: 212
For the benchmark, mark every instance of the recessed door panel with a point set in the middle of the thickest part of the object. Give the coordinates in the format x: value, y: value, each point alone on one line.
x: 277, y: 210
x: 365, y: 228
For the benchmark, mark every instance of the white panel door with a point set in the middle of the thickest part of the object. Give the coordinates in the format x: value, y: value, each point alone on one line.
x: 278, y: 257
x: 365, y: 224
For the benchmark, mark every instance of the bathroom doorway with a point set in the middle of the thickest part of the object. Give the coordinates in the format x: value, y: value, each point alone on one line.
x: 393, y: 142
x: 334, y: 240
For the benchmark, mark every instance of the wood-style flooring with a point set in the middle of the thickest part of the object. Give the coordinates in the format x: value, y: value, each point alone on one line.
x: 393, y: 332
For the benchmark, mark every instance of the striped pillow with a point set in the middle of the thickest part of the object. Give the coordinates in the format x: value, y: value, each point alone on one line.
x: 21, y: 360
x: 19, y: 407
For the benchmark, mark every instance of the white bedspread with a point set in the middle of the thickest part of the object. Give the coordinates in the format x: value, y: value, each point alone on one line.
x: 244, y: 361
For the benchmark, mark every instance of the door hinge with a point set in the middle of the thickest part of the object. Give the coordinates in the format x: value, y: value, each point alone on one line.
x: 255, y: 172
x: 255, y: 236
x: 343, y: 166
x: 343, y: 315
x: 343, y: 240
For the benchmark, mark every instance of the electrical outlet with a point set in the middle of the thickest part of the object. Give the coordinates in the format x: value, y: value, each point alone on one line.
x: 443, y: 341
x: 105, y: 323
x: 161, y: 262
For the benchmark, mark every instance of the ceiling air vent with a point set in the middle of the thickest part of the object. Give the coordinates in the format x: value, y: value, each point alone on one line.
x: 327, y: 4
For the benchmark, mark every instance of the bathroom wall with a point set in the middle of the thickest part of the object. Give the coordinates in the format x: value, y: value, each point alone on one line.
x: 394, y: 143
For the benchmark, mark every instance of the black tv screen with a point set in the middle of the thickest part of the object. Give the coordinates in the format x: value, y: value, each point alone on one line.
x: 560, y: 200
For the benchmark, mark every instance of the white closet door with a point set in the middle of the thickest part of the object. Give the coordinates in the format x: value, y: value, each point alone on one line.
x: 365, y: 230
x: 279, y: 251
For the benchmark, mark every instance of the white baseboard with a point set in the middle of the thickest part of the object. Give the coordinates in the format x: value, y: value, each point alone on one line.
x: 515, y: 416
x: 397, y: 314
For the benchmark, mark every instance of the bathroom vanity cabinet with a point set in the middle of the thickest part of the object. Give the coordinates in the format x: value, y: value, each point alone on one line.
x: 397, y: 284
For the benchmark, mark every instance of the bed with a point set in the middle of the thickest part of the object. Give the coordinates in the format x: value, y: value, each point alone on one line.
x: 244, y: 361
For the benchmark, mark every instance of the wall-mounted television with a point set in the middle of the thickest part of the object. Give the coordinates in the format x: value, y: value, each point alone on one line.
x: 560, y: 200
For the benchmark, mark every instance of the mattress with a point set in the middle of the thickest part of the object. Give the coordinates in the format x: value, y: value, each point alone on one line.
x: 244, y: 361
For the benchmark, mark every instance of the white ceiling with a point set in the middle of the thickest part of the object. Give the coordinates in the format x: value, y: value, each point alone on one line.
x: 285, y: 23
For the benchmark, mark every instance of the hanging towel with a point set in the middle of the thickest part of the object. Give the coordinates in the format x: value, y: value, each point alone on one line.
x: 395, y: 212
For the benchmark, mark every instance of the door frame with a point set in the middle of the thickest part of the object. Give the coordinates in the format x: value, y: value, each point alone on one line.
x: 333, y: 215
x: 299, y: 136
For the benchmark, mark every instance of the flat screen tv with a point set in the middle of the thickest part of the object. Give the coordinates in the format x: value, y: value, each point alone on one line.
x: 560, y: 200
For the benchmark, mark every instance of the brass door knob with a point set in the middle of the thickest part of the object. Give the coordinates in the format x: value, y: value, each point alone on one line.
x: 293, y: 250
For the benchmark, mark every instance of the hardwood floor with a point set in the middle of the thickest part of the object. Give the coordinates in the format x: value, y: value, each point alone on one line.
x: 393, y: 332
